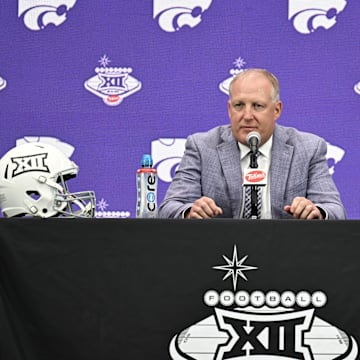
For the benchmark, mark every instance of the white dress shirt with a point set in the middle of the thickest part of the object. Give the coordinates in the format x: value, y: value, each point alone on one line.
x: 264, y: 160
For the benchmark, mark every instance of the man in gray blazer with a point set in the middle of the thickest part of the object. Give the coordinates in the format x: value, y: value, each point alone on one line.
x: 209, y: 180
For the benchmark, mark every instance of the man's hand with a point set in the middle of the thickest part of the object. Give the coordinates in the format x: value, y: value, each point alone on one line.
x: 302, y: 208
x: 203, y: 208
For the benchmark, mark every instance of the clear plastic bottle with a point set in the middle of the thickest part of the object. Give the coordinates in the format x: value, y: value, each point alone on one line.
x: 146, y: 184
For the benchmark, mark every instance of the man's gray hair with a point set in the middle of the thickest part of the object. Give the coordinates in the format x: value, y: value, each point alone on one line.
x: 271, y: 77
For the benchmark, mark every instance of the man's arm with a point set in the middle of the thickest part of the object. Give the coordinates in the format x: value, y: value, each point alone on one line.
x: 321, y: 193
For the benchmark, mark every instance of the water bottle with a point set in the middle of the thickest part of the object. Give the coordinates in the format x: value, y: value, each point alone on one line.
x: 146, y: 184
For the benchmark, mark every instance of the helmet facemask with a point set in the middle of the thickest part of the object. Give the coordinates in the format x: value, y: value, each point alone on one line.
x: 77, y: 204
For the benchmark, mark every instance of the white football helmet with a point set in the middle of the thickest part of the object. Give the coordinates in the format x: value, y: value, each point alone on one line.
x: 33, y: 182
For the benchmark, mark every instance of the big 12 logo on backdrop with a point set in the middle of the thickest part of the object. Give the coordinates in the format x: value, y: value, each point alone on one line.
x: 112, y: 84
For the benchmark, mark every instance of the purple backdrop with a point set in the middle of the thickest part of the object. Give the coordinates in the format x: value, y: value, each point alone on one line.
x: 116, y: 79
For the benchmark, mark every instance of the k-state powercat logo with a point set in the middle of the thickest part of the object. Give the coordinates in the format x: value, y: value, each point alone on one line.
x: 310, y: 15
x: 2, y: 83
x: 172, y: 15
x: 261, y: 325
x: 37, y: 14
x: 167, y: 154
x: 357, y: 87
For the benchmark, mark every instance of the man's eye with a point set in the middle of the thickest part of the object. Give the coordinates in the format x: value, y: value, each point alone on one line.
x: 258, y: 106
x: 239, y: 105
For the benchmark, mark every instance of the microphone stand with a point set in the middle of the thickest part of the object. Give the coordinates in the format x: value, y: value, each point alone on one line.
x: 254, y: 190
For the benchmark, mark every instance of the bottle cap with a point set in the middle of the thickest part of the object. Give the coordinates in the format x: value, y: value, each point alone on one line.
x: 146, y: 160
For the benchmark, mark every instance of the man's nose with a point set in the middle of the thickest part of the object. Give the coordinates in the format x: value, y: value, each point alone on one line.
x: 248, y: 112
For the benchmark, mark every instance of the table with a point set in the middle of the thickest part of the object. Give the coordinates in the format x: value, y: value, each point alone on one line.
x: 178, y: 289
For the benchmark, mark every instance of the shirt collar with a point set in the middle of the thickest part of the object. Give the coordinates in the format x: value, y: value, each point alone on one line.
x: 265, y: 149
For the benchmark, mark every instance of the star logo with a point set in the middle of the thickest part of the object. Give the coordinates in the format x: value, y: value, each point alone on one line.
x: 239, y: 66
x: 104, y: 61
x: 239, y: 62
x: 235, y: 267
x: 102, y: 204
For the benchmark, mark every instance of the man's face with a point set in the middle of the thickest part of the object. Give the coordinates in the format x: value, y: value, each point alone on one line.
x: 251, y: 107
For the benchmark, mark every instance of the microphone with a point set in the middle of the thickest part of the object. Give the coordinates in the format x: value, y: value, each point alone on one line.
x: 253, y: 139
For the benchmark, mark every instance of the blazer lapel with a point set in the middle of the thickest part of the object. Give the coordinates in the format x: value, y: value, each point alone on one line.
x: 281, y: 155
x: 229, y: 155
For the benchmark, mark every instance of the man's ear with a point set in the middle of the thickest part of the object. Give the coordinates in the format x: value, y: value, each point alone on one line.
x: 278, y: 109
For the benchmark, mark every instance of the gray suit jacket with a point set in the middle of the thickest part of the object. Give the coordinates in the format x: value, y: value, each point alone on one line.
x: 211, y: 167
